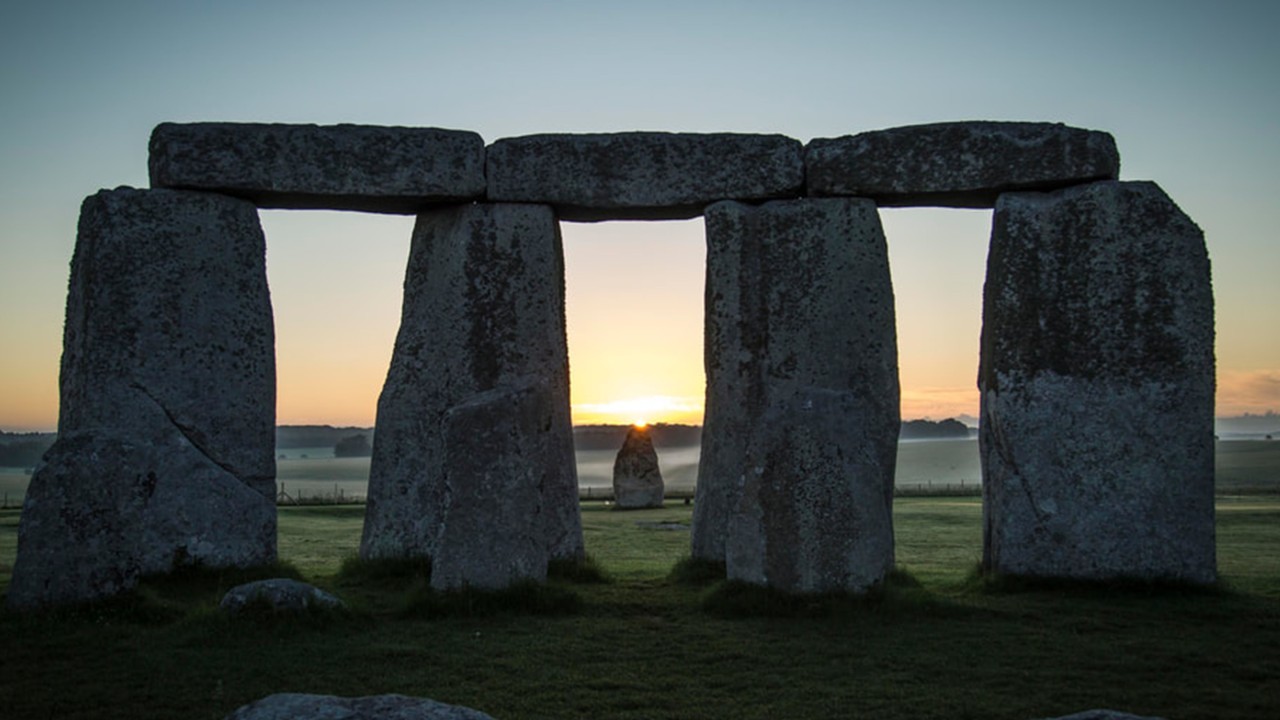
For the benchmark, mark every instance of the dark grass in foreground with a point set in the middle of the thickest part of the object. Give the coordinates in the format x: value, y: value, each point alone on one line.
x: 652, y: 638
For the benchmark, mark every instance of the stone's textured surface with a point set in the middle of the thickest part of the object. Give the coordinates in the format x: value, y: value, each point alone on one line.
x: 637, y: 479
x: 813, y: 514
x: 799, y: 316
x: 108, y: 507
x: 958, y: 164
x: 642, y: 175
x: 483, y: 311
x: 278, y: 594
x: 166, y: 449
x: 340, y: 167
x: 499, y: 454
x: 293, y: 706
x: 1097, y: 379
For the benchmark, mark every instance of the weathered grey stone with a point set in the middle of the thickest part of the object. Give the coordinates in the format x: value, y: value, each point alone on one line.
x: 340, y: 167
x: 642, y: 175
x: 165, y: 454
x: 483, y: 311
x: 293, y: 706
x: 499, y: 453
x: 799, y: 316
x: 637, y: 479
x: 958, y: 164
x: 1097, y: 379
x: 279, y: 594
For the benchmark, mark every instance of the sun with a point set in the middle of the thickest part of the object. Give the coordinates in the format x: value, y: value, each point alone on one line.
x: 639, y: 411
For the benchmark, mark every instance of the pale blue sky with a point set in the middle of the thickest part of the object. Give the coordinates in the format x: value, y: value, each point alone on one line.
x: 1187, y: 89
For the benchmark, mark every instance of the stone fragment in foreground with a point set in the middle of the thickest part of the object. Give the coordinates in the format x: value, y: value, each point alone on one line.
x: 281, y: 595
x: 802, y: 396
x: 958, y: 164
x: 637, y: 478
x: 642, y: 175
x: 165, y: 452
x: 290, y: 706
x: 483, y: 312
x: 338, y: 167
x: 1097, y: 380
x: 498, y: 456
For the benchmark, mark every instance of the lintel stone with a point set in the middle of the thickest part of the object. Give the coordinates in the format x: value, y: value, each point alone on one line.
x: 958, y: 164
x: 336, y: 167
x: 642, y: 175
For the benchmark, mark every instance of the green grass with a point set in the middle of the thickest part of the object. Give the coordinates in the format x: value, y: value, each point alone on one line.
x: 648, y: 639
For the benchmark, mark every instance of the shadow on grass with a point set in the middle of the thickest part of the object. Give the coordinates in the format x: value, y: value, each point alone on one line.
x: 979, y: 581
x: 898, y: 593
x: 402, y: 587
x: 696, y: 572
x: 188, y: 593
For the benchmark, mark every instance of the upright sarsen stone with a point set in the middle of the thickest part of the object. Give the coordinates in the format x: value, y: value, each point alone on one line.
x: 642, y: 175
x: 799, y: 444
x: 165, y: 452
x: 1097, y: 380
x: 483, y: 317
x: 338, y: 167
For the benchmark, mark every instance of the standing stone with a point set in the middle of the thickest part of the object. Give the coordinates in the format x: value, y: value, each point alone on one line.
x: 958, y: 164
x: 165, y: 451
x: 799, y: 444
x: 642, y: 175
x: 637, y: 479
x: 497, y: 458
x: 1097, y: 380
x: 291, y: 706
x: 337, y: 167
x: 481, y: 347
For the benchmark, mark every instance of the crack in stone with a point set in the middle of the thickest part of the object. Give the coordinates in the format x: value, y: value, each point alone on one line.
x: 187, y: 433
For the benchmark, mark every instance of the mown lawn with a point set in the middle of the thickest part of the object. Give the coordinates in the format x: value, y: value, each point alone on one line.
x: 938, y: 644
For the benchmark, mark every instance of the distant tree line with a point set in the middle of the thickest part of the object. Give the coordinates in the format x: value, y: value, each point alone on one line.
x: 353, y: 446
x: 23, y: 450
x: 930, y: 430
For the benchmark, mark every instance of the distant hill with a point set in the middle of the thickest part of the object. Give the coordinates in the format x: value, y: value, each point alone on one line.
x: 314, y: 436
x: 930, y: 430
x: 1248, y: 426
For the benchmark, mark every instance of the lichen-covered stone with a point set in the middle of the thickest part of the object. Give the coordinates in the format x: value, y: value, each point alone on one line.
x: 483, y: 310
x: 293, y: 706
x: 1097, y: 379
x: 637, y: 478
x: 802, y: 372
x: 642, y: 175
x: 499, y: 452
x: 958, y: 164
x: 281, y: 595
x: 339, y: 167
x: 165, y: 454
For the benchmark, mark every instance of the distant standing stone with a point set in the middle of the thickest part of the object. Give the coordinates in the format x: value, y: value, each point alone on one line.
x: 637, y: 479
x: 165, y: 454
x: 958, y: 164
x: 1097, y: 380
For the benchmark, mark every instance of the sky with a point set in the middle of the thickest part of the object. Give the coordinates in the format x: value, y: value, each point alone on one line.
x: 1188, y: 89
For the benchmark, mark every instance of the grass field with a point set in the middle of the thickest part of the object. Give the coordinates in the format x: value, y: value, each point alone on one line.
x: 938, y: 644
